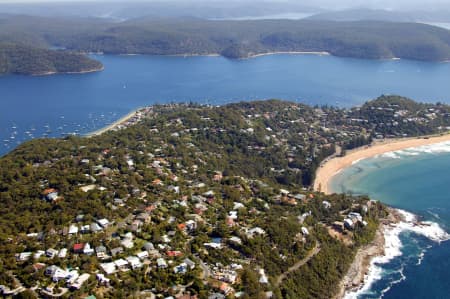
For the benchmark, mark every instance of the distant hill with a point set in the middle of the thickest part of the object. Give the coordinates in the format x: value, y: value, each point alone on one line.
x: 364, y: 15
x: 124, y: 10
x: 233, y: 39
x: 19, y: 59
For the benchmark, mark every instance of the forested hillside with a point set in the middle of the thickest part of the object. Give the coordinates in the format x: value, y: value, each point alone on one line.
x: 26, y: 60
x: 234, y: 39
x: 222, y: 189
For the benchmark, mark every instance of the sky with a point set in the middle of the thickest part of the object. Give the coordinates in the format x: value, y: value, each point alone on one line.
x: 329, y: 4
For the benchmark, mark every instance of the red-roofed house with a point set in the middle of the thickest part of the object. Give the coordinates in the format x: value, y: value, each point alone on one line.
x: 78, y: 248
x: 173, y: 253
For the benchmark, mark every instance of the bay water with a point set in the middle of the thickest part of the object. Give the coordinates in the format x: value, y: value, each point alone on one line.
x: 417, y: 258
x: 57, y: 105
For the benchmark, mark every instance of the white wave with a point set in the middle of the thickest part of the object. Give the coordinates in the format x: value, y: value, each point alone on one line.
x: 428, y: 229
x: 375, y: 274
x: 420, y: 259
x: 442, y: 147
x: 393, y: 246
x: 392, y: 249
x: 407, y: 216
x: 436, y: 148
x: 435, y: 215
x: 357, y: 161
x: 390, y: 155
x: 407, y: 153
x: 337, y: 172
x: 392, y: 283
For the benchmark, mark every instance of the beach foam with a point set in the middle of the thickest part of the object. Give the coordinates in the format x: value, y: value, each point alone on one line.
x: 357, y: 161
x: 394, y: 282
x: 437, y: 148
x: 393, y: 246
x: 391, y: 155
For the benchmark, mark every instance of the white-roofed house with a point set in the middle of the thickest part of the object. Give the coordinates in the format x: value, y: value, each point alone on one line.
x: 134, y: 262
x: 88, y: 249
x: 109, y: 268
x: 142, y: 255
x: 103, y: 222
x: 161, y: 263
x: 73, y: 229
x: 62, y: 253
x: 80, y: 281
x: 51, y: 253
x: 121, y: 264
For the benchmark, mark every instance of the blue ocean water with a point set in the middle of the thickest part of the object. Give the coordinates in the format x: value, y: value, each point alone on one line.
x: 415, y: 180
x: 33, y: 107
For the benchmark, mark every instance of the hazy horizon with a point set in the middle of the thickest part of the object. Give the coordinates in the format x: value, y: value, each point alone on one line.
x: 430, y: 11
x: 328, y: 4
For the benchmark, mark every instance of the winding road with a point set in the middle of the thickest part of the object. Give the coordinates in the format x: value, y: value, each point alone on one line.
x: 297, y: 265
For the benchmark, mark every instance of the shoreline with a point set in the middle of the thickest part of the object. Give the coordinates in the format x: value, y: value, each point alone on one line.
x: 357, y: 274
x: 319, y: 53
x: 386, y: 245
x: 121, y: 121
x: 70, y: 73
x: 329, y: 168
x: 360, y: 274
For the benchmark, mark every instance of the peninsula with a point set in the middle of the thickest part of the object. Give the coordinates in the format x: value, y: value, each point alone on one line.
x: 28, y: 60
x: 194, y: 201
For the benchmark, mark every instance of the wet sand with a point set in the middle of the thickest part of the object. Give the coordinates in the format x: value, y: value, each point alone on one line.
x: 333, y: 166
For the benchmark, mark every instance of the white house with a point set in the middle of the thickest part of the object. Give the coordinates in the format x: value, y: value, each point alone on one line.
x: 51, y: 253
x: 121, y: 264
x: 73, y: 229
x: 263, y: 277
x: 134, y: 262
x: 161, y: 263
x: 109, y: 268
x: 305, y: 231
x: 88, y: 249
x: 103, y: 222
x: 72, y: 277
x: 102, y: 279
x: 62, y: 253
x: 142, y: 255
x: 24, y: 256
x: 80, y: 281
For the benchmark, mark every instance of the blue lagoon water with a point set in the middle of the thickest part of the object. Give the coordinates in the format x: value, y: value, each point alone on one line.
x: 57, y: 105
x: 416, y: 180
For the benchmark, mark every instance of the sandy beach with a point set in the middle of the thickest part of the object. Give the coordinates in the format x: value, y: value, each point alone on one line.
x: 331, y: 167
x: 118, y: 122
x: 360, y: 268
x: 71, y: 73
x: 289, y: 52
